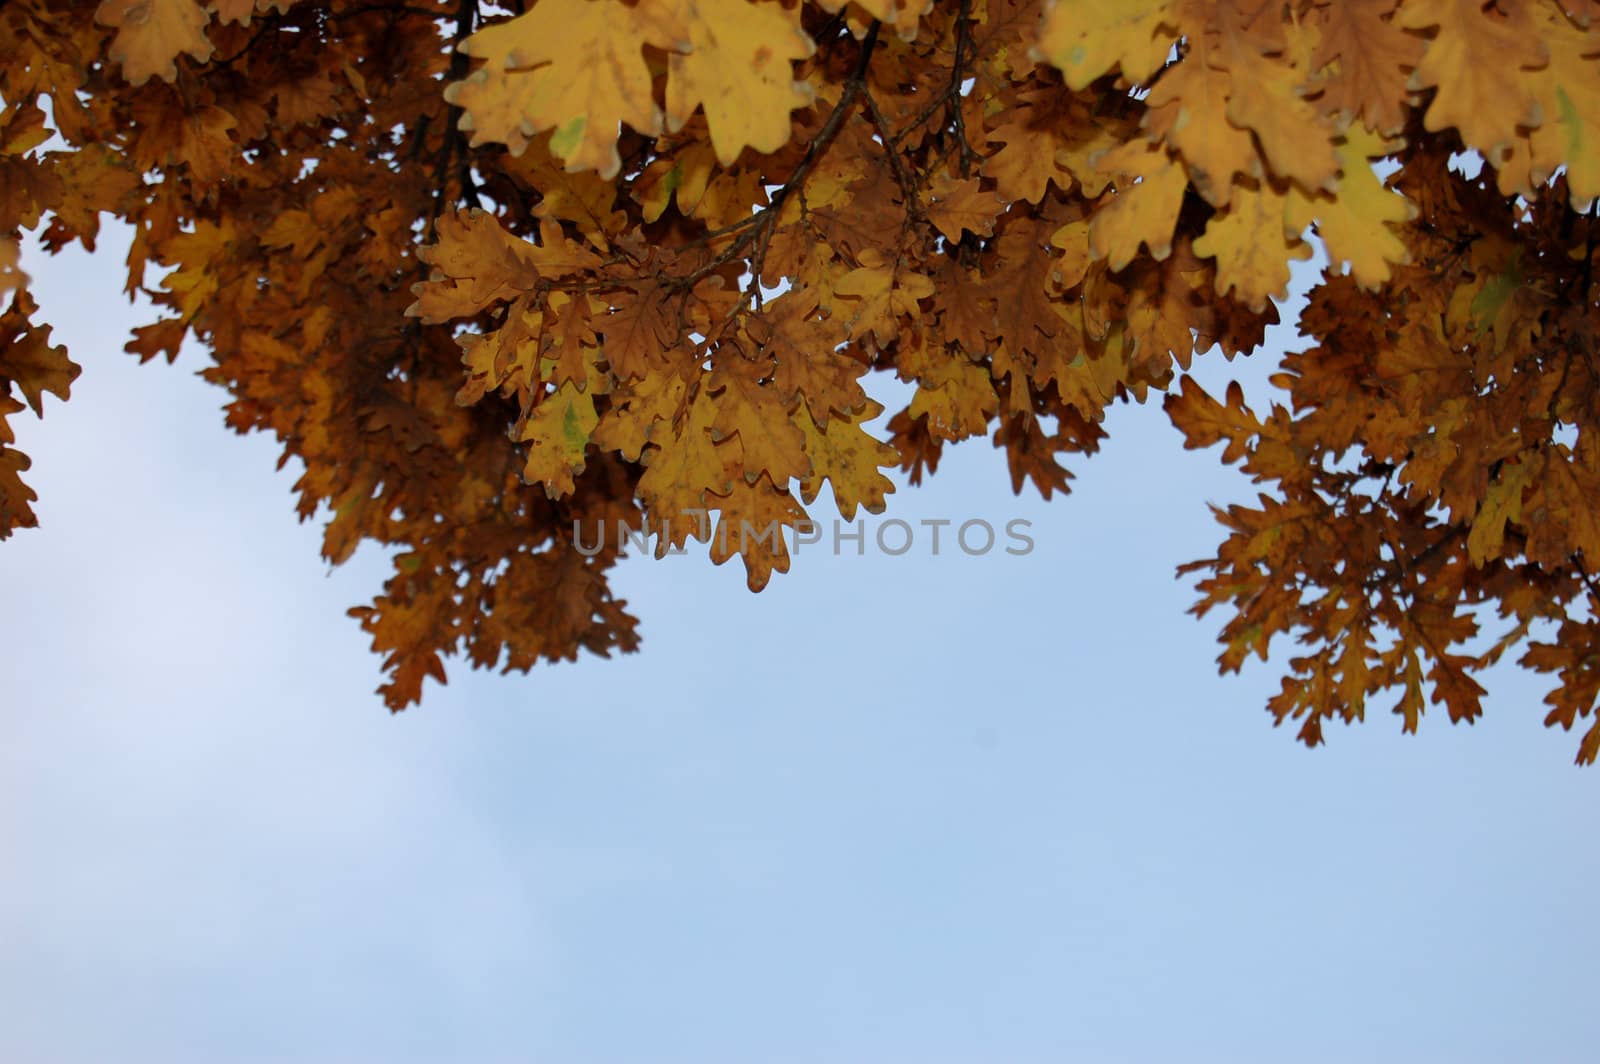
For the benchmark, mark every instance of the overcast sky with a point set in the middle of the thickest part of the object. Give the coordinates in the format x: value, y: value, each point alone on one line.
x: 918, y: 809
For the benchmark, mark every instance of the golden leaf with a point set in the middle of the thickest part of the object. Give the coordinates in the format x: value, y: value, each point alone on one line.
x: 1472, y: 42
x: 1502, y: 504
x: 557, y: 433
x: 574, y: 67
x: 151, y: 34
x: 956, y: 206
x: 848, y: 457
x: 739, y: 67
x: 1355, y: 219
x: 1252, y: 247
x: 1145, y: 208
x: 1086, y: 39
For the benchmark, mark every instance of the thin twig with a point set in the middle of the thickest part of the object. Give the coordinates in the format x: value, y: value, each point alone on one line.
x: 1584, y: 574
x: 950, y: 95
x: 957, y: 77
x: 466, y: 16
x: 908, y: 187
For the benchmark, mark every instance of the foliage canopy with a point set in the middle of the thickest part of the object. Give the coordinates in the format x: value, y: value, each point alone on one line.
x: 496, y: 275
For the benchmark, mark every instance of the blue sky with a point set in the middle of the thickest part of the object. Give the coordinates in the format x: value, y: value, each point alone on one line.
x: 891, y: 809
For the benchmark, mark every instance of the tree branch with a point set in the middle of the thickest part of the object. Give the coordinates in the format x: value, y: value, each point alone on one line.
x: 908, y: 187
x: 950, y: 95
x: 466, y: 16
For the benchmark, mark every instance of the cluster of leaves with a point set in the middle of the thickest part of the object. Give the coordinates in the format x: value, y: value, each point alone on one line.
x: 505, y: 278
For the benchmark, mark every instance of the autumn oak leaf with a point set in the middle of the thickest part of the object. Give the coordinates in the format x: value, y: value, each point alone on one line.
x: 573, y: 67
x: 151, y: 34
x: 739, y: 66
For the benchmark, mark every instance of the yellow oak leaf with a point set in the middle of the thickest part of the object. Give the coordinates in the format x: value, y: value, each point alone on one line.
x: 1497, y: 307
x: 239, y: 11
x: 637, y: 410
x: 1204, y: 421
x: 1476, y: 62
x: 557, y: 433
x: 28, y: 361
x: 903, y: 15
x: 294, y: 230
x: 28, y: 188
x: 1086, y: 39
x: 22, y: 129
x: 833, y: 181
x: 681, y: 177
x: 1145, y: 207
x: 505, y: 359
x: 197, y: 256
x: 1158, y: 317
x: 1352, y: 667
x: 15, y: 495
x: 94, y: 179
x: 1026, y: 314
x: 847, y: 456
x: 1027, y: 162
x: 957, y: 398
x: 1189, y: 109
x: 1031, y: 455
x: 358, y: 506
x: 965, y: 311
x: 1362, y: 60
x: 751, y: 524
x: 570, y: 353
x: 879, y: 293
x: 1410, y: 706
x: 1085, y: 380
x: 208, y: 151
x: 1265, y: 97
x: 682, y: 464
x: 955, y: 205
x: 728, y: 199
x: 1568, y: 92
x: 1354, y: 221
x: 740, y: 67
x: 475, y: 263
x: 1502, y: 503
x: 165, y: 336
x: 1068, y: 269
x: 754, y: 412
x: 1251, y: 245
x: 151, y: 34
x: 307, y: 100
x: 558, y: 256
x: 803, y: 345
x: 576, y: 67
x: 580, y: 197
x: 1565, y: 509
x: 638, y: 332
x: 1051, y: 137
